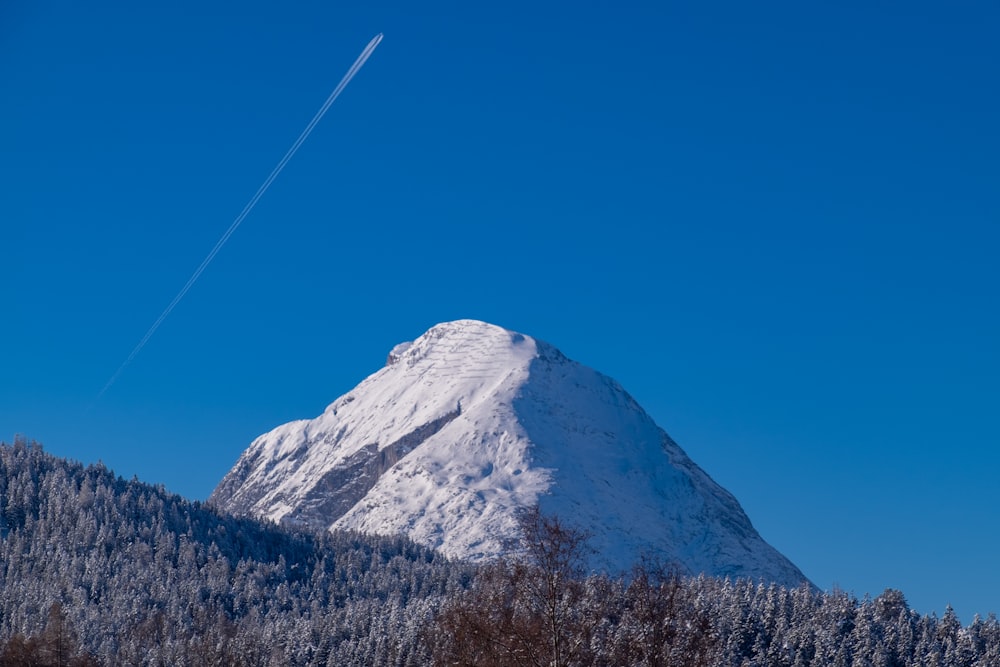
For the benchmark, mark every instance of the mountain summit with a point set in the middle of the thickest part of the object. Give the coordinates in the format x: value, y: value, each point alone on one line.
x: 470, y: 423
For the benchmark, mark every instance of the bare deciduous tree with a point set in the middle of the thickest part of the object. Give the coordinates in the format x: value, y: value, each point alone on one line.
x: 527, y: 611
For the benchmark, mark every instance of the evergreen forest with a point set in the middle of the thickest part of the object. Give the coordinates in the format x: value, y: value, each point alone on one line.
x: 99, y: 570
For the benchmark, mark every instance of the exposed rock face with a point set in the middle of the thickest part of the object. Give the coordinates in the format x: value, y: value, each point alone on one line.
x: 470, y: 423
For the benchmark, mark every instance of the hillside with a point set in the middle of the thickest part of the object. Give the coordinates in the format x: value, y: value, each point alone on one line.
x: 145, y: 577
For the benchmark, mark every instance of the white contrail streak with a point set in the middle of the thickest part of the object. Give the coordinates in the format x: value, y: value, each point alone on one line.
x: 246, y: 209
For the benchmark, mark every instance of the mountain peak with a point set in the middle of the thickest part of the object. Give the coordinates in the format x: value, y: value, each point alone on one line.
x: 469, y: 424
x: 459, y: 337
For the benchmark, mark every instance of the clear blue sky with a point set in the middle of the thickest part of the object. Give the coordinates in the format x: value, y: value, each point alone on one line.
x: 776, y: 224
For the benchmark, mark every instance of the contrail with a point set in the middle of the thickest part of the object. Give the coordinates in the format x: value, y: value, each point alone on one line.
x: 246, y: 209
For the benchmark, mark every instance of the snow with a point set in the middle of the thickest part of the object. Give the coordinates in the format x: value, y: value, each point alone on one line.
x: 471, y: 422
x: 397, y: 352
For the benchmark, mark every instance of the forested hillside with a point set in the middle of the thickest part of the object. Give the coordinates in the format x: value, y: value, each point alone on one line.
x: 144, y: 577
x: 539, y: 608
x: 97, y: 570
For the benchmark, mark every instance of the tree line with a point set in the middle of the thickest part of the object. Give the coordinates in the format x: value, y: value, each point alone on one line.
x: 98, y: 570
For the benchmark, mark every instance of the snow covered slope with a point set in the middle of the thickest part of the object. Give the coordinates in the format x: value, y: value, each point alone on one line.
x: 471, y: 422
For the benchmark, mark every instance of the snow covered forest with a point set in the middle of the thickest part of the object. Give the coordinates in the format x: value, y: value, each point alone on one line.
x: 98, y: 570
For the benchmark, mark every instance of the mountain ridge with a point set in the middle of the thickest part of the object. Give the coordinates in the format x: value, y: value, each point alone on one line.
x: 470, y: 423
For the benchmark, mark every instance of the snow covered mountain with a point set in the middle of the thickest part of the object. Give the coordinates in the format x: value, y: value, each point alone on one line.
x: 471, y: 422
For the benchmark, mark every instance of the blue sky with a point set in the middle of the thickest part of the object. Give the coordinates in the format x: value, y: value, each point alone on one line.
x: 776, y: 224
